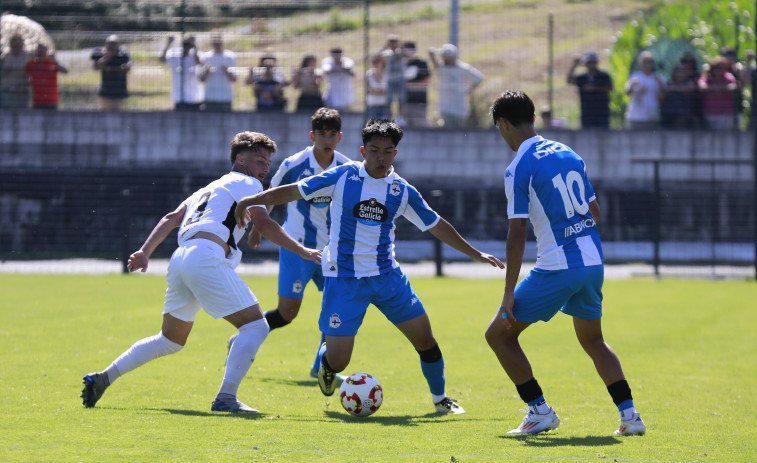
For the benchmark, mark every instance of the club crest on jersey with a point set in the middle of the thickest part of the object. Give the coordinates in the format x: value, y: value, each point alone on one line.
x: 334, y: 321
x: 395, y: 188
x: 297, y: 287
x: 321, y: 201
x: 370, y: 212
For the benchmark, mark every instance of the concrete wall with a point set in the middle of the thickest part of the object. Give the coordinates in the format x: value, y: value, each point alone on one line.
x: 106, y: 139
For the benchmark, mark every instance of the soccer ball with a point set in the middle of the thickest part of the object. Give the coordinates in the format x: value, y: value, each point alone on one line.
x: 361, y: 394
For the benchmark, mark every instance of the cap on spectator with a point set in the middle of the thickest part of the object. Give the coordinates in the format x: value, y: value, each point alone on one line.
x: 112, y: 38
x: 336, y: 50
x: 590, y: 56
x: 448, y: 50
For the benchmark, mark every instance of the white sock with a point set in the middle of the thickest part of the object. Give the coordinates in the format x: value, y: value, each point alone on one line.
x: 627, y: 413
x: 140, y: 353
x: 241, y: 355
x: 541, y: 408
x: 438, y: 398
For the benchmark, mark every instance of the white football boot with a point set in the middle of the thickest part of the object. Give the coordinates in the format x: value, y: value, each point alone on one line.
x: 534, y: 423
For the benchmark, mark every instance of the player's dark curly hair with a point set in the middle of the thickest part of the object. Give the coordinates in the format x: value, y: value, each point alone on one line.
x: 250, y: 141
x: 326, y: 119
x: 382, y: 128
x: 513, y: 105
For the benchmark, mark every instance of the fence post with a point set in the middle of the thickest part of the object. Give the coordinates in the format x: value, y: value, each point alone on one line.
x: 126, y: 229
x: 656, y: 229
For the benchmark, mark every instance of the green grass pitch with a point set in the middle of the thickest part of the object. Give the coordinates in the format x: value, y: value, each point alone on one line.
x: 687, y: 346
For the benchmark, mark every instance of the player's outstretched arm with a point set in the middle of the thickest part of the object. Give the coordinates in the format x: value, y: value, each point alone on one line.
x: 446, y: 233
x: 279, y: 195
x: 140, y: 258
x: 275, y: 234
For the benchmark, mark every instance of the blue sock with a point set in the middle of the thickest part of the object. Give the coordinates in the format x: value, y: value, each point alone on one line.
x: 537, y: 400
x: 434, y: 373
x: 317, y: 361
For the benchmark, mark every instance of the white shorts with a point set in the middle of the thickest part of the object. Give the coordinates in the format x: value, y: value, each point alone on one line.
x: 200, y: 276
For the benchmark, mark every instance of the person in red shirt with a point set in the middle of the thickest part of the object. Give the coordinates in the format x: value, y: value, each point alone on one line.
x: 43, y: 72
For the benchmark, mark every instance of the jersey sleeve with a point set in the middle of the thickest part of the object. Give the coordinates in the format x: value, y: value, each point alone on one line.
x: 245, y: 187
x: 322, y: 184
x: 517, y: 186
x: 418, y: 212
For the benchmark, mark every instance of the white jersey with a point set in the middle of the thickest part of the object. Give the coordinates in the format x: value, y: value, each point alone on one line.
x: 547, y: 183
x: 363, y: 212
x: 307, y: 221
x: 211, y: 208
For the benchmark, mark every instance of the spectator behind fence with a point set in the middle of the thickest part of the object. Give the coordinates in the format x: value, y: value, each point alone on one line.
x: 307, y: 79
x: 114, y: 64
x: 14, y: 80
x: 547, y: 121
x: 268, y: 85
x: 217, y: 76
x: 455, y: 80
x: 646, y: 89
x: 376, y: 103
x: 393, y: 56
x: 719, y: 89
x: 751, y: 73
x: 681, y: 108
x: 43, y: 72
x: 187, y: 93
x: 594, y: 87
x: 340, y: 72
x: 417, y: 75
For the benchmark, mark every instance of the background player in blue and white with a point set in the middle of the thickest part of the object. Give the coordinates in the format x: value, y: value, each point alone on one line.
x: 547, y: 184
x: 307, y: 221
x: 359, y: 264
x: 201, y: 273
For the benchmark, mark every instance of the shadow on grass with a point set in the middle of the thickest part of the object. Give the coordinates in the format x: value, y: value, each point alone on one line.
x: 246, y: 416
x: 307, y: 382
x: 396, y: 420
x: 545, y: 440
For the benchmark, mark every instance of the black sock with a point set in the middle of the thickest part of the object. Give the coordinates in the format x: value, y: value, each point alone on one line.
x: 620, y: 391
x: 529, y: 391
x: 275, y: 320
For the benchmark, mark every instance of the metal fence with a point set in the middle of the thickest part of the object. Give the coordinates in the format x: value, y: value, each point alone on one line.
x: 513, y: 45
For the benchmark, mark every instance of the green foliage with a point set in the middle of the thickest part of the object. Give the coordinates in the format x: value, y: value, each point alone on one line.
x: 686, y: 347
x: 708, y: 25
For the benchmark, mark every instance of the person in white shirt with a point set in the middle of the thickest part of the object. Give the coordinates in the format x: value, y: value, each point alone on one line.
x: 187, y: 93
x: 217, y: 76
x: 455, y: 80
x: 340, y: 73
x: 201, y: 273
x: 647, y: 90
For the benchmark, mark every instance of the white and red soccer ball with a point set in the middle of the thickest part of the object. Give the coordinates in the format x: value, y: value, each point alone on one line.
x: 361, y: 394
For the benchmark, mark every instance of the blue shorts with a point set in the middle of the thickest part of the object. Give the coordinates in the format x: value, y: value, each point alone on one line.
x: 576, y: 292
x: 295, y: 273
x: 346, y: 299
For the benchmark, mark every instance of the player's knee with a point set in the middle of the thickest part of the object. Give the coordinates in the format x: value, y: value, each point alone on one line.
x: 167, y: 346
x: 432, y: 354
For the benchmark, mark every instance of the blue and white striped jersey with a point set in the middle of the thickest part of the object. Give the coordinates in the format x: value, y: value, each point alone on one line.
x: 547, y: 183
x: 307, y: 221
x: 363, y: 210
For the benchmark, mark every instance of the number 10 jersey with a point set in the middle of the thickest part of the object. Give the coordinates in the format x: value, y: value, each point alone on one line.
x: 547, y: 184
